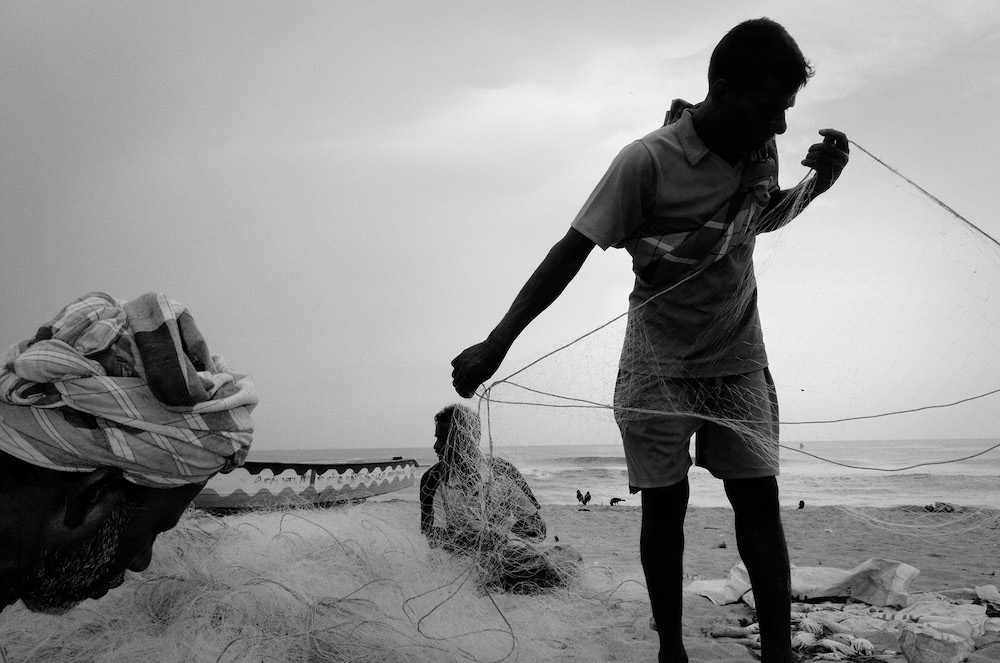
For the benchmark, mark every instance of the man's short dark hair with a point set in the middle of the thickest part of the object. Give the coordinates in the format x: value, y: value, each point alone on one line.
x: 755, y: 50
x: 465, y: 421
x: 444, y: 415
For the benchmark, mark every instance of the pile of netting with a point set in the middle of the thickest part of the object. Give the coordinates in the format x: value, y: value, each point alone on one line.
x: 492, y: 517
x: 349, y: 584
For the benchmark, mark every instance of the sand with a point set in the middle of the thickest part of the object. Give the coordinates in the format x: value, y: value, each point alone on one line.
x: 951, y: 550
x: 364, y: 574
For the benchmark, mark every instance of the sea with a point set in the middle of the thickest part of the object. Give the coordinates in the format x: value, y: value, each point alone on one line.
x: 854, y: 473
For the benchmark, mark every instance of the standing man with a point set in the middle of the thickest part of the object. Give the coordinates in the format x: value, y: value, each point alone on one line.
x: 687, y: 202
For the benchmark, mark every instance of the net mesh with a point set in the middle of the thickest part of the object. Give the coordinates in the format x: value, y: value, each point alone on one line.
x: 878, y: 309
x: 863, y: 340
x: 485, y: 509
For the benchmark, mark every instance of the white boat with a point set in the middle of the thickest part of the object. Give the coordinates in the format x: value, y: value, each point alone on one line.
x: 274, y: 483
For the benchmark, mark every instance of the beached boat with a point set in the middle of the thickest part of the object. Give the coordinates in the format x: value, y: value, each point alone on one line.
x: 270, y: 484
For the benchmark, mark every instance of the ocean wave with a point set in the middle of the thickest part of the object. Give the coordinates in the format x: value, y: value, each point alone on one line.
x: 589, y: 461
x: 591, y: 473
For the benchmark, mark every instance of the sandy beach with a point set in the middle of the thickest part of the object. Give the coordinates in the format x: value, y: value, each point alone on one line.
x: 358, y: 583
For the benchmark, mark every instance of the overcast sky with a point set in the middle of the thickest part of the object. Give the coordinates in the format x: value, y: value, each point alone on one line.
x: 347, y: 194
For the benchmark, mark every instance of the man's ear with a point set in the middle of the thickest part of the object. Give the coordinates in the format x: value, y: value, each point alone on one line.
x: 719, y: 90
x: 93, y: 495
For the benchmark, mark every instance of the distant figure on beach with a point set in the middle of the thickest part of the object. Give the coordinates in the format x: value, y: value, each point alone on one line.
x: 84, y: 497
x: 615, y: 500
x: 802, y: 504
x: 488, y: 509
x: 687, y: 201
x: 457, y: 480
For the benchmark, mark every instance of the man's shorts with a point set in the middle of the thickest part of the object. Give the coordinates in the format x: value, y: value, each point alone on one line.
x: 735, y: 419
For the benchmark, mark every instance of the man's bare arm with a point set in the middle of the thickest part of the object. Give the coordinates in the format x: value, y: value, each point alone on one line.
x: 428, y: 487
x: 478, y: 363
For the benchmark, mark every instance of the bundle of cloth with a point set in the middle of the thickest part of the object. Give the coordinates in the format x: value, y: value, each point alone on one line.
x: 127, y: 384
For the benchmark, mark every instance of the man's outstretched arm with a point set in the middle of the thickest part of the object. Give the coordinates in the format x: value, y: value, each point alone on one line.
x: 478, y: 363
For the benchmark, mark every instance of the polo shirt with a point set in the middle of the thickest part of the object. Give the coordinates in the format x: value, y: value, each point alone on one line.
x: 686, y: 319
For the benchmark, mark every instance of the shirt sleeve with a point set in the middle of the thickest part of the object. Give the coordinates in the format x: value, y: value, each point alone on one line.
x: 617, y: 205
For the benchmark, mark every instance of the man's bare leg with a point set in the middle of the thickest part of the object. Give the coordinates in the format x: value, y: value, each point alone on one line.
x: 661, y: 548
x: 761, y: 540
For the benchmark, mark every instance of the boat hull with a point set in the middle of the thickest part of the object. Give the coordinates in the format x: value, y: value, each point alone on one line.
x: 263, y: 484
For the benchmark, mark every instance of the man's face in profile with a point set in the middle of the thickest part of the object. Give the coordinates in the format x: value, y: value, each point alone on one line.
x: 88, y: 566
x: 64, y: 577
x: 756, y: 116
x: 441, y: 427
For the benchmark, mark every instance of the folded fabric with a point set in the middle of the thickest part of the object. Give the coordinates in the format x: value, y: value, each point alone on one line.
x: 876, y: 581
x: 965, y: 620
x: 128, y: 384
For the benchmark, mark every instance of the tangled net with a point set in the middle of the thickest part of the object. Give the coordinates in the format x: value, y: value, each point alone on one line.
x: 890, y: 328
x: 491, y: 515
x: 333, y: 585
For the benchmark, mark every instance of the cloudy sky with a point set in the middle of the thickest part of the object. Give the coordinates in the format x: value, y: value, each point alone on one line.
x: 347, y: 194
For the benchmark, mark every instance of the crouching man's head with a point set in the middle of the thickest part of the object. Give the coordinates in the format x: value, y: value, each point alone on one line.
x: 113, y: 416
x: 70, y: 536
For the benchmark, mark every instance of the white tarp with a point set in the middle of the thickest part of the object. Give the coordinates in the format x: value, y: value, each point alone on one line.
x: 879, y: 582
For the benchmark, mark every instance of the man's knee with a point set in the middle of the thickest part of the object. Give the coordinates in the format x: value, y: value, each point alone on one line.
x: 666, y: 496
x: 760, y: 493
x: 666, y: 506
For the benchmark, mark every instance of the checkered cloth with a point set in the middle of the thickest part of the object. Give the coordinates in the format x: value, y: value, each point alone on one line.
x: 663, y: 258
x: 128, y: 384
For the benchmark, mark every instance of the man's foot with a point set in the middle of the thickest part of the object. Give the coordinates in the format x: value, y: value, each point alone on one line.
x: 652, y: 623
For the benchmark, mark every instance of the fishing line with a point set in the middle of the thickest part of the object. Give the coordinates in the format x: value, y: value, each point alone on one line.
x: 486, y: 392
x: 892, y: 469
x: 927, y: 193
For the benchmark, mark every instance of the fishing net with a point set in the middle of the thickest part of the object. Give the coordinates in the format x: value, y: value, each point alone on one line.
x: 860, y: 331
x: 879, y: 315
x: 491, y: 516
x: 353, y: 584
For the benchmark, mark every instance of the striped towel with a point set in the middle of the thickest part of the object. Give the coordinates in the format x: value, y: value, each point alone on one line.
x: 128, y: 384
x: 664, y: 259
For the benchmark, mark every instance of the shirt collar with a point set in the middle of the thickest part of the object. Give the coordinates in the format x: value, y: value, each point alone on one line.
x: 694, y: 149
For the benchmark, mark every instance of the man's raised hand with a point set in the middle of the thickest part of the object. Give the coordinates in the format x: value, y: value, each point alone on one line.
x: 474, y: 366
x: 828, y: 158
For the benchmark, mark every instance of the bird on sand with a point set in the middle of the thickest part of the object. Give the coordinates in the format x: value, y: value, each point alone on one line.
x: 616, y: 500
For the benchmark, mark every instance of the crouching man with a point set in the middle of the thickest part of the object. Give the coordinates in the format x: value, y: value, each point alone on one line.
x: 112, y: 418
x: 489, y: 511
